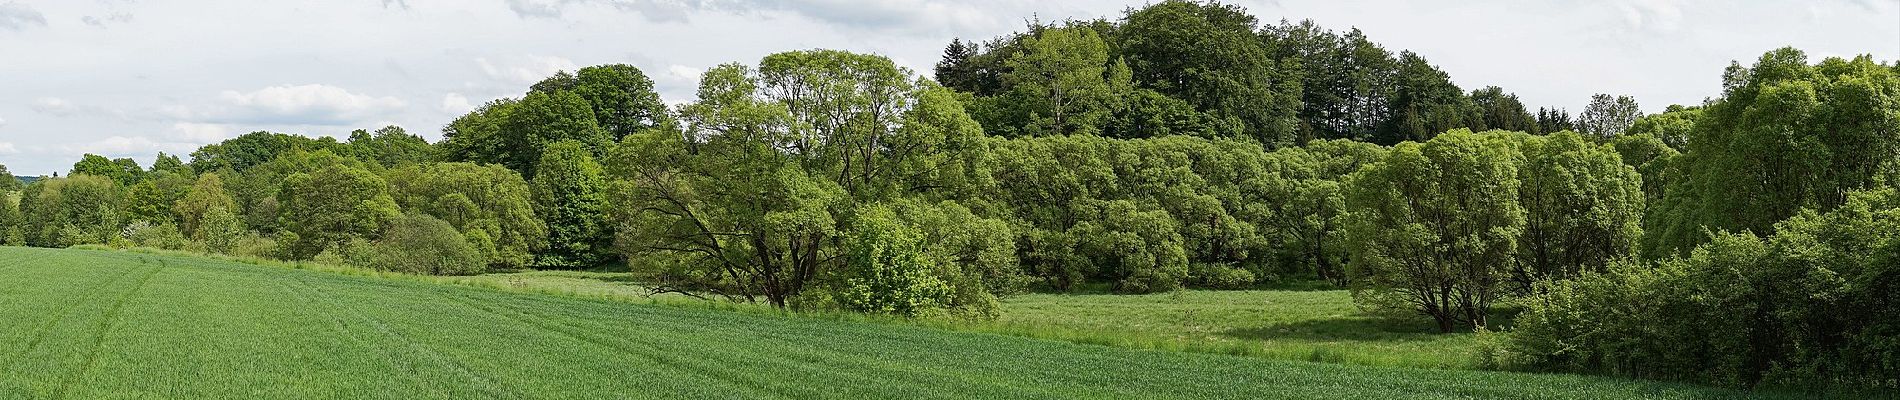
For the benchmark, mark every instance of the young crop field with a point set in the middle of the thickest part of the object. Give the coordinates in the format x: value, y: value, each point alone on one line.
x: 103, y: 324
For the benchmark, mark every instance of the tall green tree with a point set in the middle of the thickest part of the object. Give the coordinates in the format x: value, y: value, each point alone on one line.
x: 1425, y: 103
x: 750, y: 199
x: 545, y: 118
x: 568, y: 195
x: 1347, y: 83
x: 76, y: 209
x: 124, y: 171
x: 1583, y: 208
x: 256, y: 148
x: 1553, y: 120
x: 490, y: 204
x: 1785, y: 135
x: 1673, y: 126
x: 478, y: 136
x: 332, y: 206
x: 390, y: 147
x: 955, y: 70
x: 1058, y: 84
x: 151, y: 199
x: 1501, y: 111
x: 1608, y: 116
x: 1435, y: 225
x: 208, y: 216
x: 1209, y: 55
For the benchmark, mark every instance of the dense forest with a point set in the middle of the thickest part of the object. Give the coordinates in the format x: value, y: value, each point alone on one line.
x: 1753, y: 239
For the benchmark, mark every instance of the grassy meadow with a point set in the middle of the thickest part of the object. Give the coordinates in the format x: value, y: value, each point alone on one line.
x: 1315, y: 325
x: 108, y: 324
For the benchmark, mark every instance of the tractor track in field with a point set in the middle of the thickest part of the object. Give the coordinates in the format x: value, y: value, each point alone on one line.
x: 489, y: 386
x: 654, y: 354
x: 804, y: 358
x: 301, y: 288
x: 40, y: 332
x: 106, y: 323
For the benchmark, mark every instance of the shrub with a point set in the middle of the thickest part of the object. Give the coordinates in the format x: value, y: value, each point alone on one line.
x: 161, y: 236
x: 421, y: 244
x: 887, y: 270
x: 1813, y: 306
x: 1220, y: 276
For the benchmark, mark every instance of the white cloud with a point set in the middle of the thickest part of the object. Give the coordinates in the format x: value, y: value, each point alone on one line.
x: 303, y: 105
x: 8, y: 148
x: 200, y: 132
x: 526, y: 70
x: 117, y: 146
x: 54, y: 106
x: 455, y: 103
x: 3, y: 122
x: 1659, y: 16
x: 536, y: 8
x: 16, y: 16
x: 101, y: 22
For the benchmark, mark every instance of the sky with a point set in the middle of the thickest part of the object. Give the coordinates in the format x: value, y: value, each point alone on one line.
x: 131, y: 78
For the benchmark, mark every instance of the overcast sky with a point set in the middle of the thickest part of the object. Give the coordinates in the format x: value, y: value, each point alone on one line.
x: 130, y: 78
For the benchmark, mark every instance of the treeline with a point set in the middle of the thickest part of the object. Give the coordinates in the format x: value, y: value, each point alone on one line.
x: 1182, y: 145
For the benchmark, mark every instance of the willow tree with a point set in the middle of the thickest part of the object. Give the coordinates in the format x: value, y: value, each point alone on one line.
x: 1434, y: 226
x: 748, y: 196
x: 1784, y: 136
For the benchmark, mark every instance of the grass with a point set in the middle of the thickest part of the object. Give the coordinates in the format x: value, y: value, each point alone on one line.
x: 1315, y: 325
x: 114, y: 324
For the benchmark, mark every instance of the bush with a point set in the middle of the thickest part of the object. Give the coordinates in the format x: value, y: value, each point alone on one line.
x: 251, y: 244
x: 420, y: 244
x: 887, y: 270
x: 162, y: 236
x: 1814, y: 306
x: 1219, y: 276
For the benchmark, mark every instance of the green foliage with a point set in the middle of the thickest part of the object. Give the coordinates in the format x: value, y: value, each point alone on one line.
x: 1209, y: 55
x: 478, y: 136
x: 1608, y: 116
x: 145, y: 234
x: 204, y: 197
x: 1583, y: 208
x: 253, y: 149
x: 568, y: 196
x: 152, y: 199
x: 389, y: 147
x: 420, y: 244
x: 1673, y: 126
x: 1057, y: 84
x: 124, y: 171
x: 489, y: 204
x: 542, y: 119
x: 622, y: 97
x: 330, y: 206
x: 1424, y: 103
x: 1812, y: 306
x: 8, y: 182
x: 1784, y: 136
x: 77, y: 209
x: 886, y: 269
x: 1651, y: 156
x: 1434, y: 225
x: 1501, y: 111
x: 750, y: 199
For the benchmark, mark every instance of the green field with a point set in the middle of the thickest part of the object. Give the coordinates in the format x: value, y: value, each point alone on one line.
x: 104, y: 324
x: 1320, y: 325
